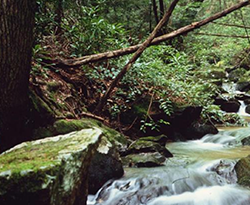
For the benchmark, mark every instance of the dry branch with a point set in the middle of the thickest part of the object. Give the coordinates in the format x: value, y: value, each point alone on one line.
x: 221, y: 35
x: 124, y: 51
x: 232, y: 25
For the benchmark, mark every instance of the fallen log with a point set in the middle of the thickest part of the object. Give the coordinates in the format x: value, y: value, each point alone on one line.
x: 124, y: 51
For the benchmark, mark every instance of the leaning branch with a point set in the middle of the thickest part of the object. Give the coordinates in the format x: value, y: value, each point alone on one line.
x: 124, y: 51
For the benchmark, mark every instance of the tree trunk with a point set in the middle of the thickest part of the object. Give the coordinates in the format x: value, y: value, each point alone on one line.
x: 155, y: 11
x: 16, y: 33
x: 58, y: 16
x: 161, y: 3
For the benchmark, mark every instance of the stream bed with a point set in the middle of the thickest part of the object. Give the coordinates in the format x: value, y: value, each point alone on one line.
x: 200, y: 173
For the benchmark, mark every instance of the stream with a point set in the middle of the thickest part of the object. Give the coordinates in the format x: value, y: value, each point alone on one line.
x: 200, y: 173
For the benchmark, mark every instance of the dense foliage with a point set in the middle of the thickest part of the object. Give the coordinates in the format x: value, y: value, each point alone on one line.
x: 188, y: 71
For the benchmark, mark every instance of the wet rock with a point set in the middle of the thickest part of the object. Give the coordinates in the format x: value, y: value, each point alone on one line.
x: 198, y: 130
x: 242, y: 169
x: 243, y: 96
x: 247, y: 109
x: 50, y: 171
x: 247, y: 101
x: 144, y: 160
x: 246, y: 141
x: 243, y: 86
x: 225, y: 169
x: 230, y: 105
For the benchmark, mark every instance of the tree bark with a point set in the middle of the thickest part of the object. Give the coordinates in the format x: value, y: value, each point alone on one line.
x: 138, y: 53
x: 64, y: 63
x: 16, y: 33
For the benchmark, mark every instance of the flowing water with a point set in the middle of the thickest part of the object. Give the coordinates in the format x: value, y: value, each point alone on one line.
x: 200, y: 173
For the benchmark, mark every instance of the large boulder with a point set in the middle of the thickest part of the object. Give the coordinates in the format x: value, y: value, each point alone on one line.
x: 106, y: 163
x: 51, y: 171
x: 242, y: 169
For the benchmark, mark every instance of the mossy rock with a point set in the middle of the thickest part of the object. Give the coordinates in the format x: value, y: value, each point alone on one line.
x: 143, y: 146
x: 144, y: 160
x: 65, y: 126
x: 50, y: 171
x: 242, y: 169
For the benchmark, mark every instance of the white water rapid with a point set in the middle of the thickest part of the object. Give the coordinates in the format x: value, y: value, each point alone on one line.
x: 242, y: 110
x: 200, y: 173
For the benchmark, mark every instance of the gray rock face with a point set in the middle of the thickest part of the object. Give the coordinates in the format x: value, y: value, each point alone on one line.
x: 51, y: 171
x: 105, y: 165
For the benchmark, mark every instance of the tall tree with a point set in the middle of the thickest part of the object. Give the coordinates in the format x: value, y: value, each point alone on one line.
x: 16, y: 34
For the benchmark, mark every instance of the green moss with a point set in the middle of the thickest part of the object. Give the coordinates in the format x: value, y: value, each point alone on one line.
x: 67, y: 126
x: 34, y: 156
x: 30, y: 157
